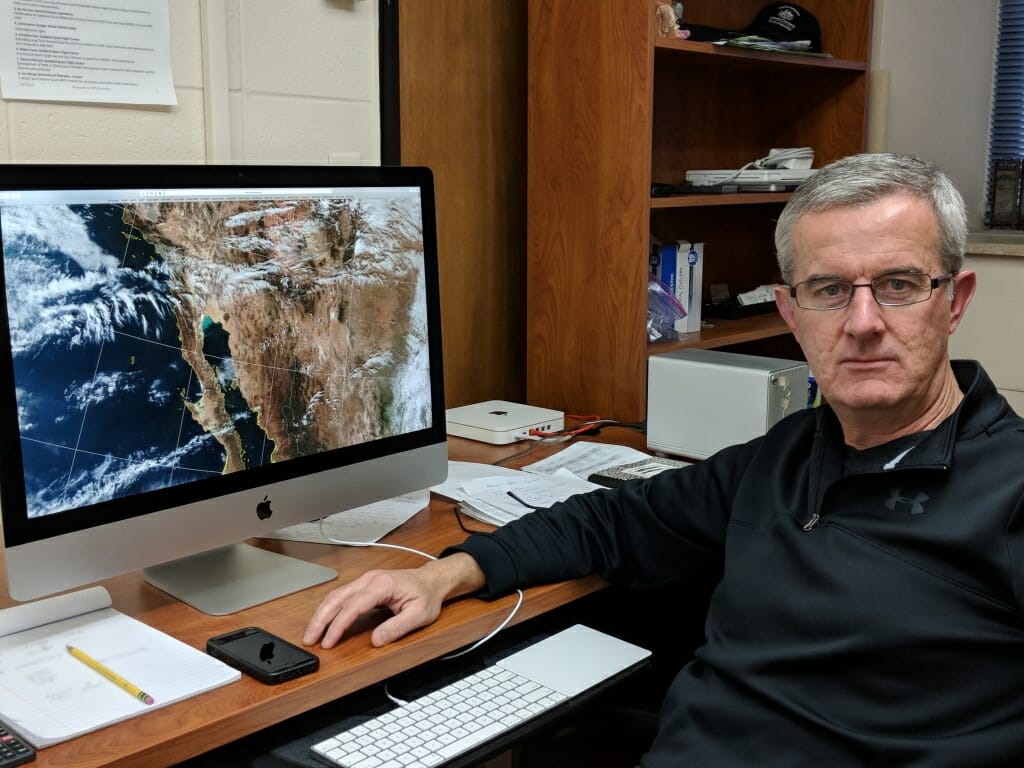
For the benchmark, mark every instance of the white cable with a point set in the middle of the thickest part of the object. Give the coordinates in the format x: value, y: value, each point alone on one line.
x: 727, y: 179
x: 774, y: 159
x: 372, y: 544
x: 525, y: 436
x: 791, y: 157
x: 394, y: 699
x: 474, y: 646
x: 485, y: 638
x: 553, y: 438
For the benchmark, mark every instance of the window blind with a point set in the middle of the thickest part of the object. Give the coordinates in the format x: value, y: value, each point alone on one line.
x: 1006, y: 137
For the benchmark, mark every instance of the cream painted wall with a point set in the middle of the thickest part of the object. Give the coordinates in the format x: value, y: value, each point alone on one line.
x: 933, y: 59
x: 257, y: 81
x: 993, y: 327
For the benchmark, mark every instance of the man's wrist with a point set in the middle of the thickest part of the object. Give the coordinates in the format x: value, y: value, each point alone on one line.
x: 457, y: 574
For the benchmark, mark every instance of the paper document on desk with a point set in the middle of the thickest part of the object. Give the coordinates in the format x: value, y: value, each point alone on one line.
x: 502, y: 500
x: 462, y: 472
x: 483, y: 490
x: 584, y: 459
x: 49, y: 696
x: 360, y: 525
x: 607, y: 465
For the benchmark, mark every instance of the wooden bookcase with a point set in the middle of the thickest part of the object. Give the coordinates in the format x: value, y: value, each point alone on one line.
x: 612, y: 108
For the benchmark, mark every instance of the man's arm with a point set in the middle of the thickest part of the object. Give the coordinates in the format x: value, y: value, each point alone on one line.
x: 667, y: 528
x: 413, y: 595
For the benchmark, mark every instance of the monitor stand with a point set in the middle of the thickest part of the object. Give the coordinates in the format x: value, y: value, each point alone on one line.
x: 229, y: 579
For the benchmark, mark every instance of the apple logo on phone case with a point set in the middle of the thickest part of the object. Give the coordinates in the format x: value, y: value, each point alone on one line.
x: 267, y: 652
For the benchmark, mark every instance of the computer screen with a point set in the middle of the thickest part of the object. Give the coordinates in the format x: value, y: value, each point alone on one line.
x: 194, y: 355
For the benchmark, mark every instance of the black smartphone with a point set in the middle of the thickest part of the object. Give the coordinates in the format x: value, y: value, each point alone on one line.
x: 266, y: 657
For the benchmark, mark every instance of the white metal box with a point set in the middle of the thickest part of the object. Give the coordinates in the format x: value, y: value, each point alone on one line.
x: 501, y: 422
x: 700, y: 400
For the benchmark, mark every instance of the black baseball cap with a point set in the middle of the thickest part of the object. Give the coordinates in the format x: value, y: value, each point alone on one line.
x: 781, y: 22
x: 787, y: 23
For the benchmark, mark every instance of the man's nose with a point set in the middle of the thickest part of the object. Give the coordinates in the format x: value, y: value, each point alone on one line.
x: 863, y: 315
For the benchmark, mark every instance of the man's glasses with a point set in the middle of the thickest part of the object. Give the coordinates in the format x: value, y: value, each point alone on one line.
x: 894, y: 290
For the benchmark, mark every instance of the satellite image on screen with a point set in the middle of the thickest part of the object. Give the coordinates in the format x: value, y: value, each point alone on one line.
x: 159, y: 343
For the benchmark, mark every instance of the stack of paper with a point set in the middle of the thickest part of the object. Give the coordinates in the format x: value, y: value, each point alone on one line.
x: 361, y: 525
x: 48, y: 696
x: 757, y: 43
x: 498, y: 495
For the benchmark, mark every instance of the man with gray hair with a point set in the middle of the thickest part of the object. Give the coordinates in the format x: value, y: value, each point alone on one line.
x: 868, y: 555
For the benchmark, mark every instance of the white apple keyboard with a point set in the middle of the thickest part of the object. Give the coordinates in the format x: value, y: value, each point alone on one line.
x: 440, y: 726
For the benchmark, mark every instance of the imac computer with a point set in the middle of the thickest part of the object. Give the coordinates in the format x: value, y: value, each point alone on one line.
x: 196, y: 355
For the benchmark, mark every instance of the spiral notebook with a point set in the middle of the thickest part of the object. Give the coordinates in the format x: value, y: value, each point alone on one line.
x: 48, y: 696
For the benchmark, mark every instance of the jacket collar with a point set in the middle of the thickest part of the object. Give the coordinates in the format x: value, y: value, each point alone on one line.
x: 982, y: 406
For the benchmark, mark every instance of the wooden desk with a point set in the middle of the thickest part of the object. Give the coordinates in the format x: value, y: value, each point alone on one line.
x: 191, y: 727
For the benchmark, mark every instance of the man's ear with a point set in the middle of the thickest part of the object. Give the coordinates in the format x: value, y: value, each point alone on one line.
x: 964, y: 285
x: 786, y: 307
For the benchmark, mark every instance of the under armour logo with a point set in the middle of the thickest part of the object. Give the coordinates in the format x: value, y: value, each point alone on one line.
x: 897, y: 502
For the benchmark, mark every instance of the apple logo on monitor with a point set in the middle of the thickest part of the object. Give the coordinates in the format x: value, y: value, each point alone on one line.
x: 263, y: 510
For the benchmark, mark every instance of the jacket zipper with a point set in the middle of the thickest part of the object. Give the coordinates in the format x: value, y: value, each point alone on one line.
x: 812, y: 522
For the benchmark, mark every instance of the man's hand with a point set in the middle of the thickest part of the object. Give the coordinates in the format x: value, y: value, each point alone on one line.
x: 414, y: 596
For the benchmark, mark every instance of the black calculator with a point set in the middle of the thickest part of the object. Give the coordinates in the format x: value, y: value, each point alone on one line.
x: 13, y: 749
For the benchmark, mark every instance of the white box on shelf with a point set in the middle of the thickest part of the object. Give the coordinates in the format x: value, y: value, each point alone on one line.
x: 701, y: 400
x: 680, y: 267
x: 688, y: 290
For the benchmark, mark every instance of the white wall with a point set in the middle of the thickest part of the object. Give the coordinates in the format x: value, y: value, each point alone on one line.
x: 993, y: 327
x: 257, y: 81
x: 933, y: 60
x: 936, y: 58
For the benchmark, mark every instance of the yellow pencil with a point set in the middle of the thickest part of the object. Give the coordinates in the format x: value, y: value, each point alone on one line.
x: 110, y: 674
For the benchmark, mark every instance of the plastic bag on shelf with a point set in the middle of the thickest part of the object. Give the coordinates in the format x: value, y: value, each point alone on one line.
x: 663, y: 310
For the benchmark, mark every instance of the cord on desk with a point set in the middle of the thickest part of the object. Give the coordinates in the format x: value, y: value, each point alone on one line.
x: 592, y: 427
x: 526, y: 504
x: 473, y: 647
x: 457, y: 654
x: 462, y: 523
x: 520, y: 454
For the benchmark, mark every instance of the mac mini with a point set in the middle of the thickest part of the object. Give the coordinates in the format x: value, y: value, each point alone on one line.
x: 500, y: 422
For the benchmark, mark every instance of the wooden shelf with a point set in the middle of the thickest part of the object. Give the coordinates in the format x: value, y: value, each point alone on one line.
x: 762, y: 57
x: 700, y: 201
x: 613, y: 108
x: 718, y: 332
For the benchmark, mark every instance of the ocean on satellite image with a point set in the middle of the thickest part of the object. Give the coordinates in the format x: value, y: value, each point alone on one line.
x: 159, y: 343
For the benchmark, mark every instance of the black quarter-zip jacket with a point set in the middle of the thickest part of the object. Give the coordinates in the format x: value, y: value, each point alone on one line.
x: 869, y: 606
